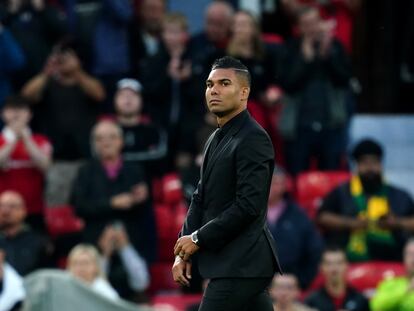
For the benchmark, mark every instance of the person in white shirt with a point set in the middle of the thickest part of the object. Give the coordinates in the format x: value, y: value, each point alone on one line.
x: 84, y: 263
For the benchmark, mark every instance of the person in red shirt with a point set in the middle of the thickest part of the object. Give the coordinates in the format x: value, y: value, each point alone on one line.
x: 24, y: 158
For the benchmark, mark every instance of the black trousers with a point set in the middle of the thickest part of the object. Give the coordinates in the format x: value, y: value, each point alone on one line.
x: 238, y: 294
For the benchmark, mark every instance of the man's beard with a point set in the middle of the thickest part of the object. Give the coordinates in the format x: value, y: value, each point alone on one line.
x: 371, y: 182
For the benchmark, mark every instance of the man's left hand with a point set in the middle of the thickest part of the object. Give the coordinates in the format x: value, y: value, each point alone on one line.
x: 184, y: 247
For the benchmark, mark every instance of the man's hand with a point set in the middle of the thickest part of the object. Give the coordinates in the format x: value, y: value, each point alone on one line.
x: 107, y: 242
x: 140, y: 193
x: 122, y: 201
x: 181, y: 271
x: 389, y: 222
x: 184, y: 247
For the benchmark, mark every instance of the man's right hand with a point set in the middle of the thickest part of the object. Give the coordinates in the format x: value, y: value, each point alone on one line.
x: 122, y: 201
x: 181, y: 271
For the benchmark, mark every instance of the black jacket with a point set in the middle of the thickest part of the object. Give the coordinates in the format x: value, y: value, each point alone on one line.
x: 322, y: 301
x: 91, y: 195
x: 230, y: 204
x: 299, y: 243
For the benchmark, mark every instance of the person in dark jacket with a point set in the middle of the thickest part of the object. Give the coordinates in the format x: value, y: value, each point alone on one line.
x: 37, y: 27
x: 11, y: 60
x: 336, y: 294
x: 298, y: 241
x: 315, y: 76
x: 108, y: 190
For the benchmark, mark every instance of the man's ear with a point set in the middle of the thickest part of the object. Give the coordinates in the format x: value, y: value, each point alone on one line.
x: 245, y: 93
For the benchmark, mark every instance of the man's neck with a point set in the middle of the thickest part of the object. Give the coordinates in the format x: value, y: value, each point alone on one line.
x: 275, y: 201
x: 111, y: 160
x: 336, y: 289
x: 128, y: 120
x: 221, y: 121
x: 283, y: 307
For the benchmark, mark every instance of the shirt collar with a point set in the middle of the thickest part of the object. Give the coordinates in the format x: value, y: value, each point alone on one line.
x: 229, y: 124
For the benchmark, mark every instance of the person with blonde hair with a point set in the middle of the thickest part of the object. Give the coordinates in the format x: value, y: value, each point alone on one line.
x: 85, y: 265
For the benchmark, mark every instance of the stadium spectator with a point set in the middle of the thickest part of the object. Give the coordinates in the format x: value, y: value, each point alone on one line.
x: 11, y: 59
x: 396, y: 293
x: 26, y: 250
x: 164, y: 75
x: 297, y: 239
x: 168, y: 87
x: 84, y: 264
x: 144, y: 142
x: 12, y: 291
x: 101, y: 31
x: 366, y: 216
x: 335, y: 293
x: 315, y: 75
x: 285, y: 293
x: 125, y: 268
x: 145, y: 34
x: 262, y: 59
x: 36, y: 26
x: 65, y: 95
x: 214, y: 38
x: 24, y: 158
x: 108, y: 189
x: 208, y: 45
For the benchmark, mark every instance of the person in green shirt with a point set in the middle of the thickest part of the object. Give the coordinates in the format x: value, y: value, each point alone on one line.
x: 397, y: 294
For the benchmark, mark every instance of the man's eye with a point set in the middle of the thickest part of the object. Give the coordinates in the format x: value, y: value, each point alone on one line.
x: 225, y: 83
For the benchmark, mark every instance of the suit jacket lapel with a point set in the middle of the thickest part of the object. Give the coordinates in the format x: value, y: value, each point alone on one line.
x: 222, y: 146
x: 207, y: 145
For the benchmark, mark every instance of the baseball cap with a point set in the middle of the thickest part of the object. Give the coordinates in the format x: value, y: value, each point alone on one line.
x: 128, y: 83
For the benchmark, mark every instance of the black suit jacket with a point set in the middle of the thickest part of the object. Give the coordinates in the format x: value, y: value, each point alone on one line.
x: 230, y: 203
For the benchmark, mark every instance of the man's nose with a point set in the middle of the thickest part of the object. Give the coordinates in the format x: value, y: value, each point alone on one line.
x: 214, y: 90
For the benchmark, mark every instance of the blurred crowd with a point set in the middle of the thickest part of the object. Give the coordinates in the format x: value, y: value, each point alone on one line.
x: 101, y: 99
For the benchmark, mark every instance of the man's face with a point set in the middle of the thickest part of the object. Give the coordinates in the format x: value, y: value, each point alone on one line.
x: 369, y: 169
x: 284, y: 289
x: 12, y: 209
x: 107, y: 141
x: 409, y: 258
x: 334, y: 266
x: 16, y: 116
x: 369, y: 164
x: 225, y: 92
x: 128, y: 102
x: 83, y: 266
x: 217, y: 23
x: 152, y: 14
x: 310, y: 24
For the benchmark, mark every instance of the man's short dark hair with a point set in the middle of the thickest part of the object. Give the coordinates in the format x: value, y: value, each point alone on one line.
x: 332, y: 248
x: 367, y: 147
x: 16, y: 102
x: 228, y: 62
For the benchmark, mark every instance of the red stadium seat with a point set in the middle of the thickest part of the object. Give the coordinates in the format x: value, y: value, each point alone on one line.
x: 272, y: 38
x: 61, y: 220
x: 366, y: 276
x: 172, y: 190
x: 176, y: 302
x: 161, y: 278
x: 166, y: 230
x: 312, y: 187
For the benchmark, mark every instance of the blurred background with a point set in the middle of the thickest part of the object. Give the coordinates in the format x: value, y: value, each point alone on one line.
x: 103, y: 123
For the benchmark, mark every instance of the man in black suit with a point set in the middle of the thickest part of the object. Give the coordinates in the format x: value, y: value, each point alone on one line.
x: 226, y: 221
